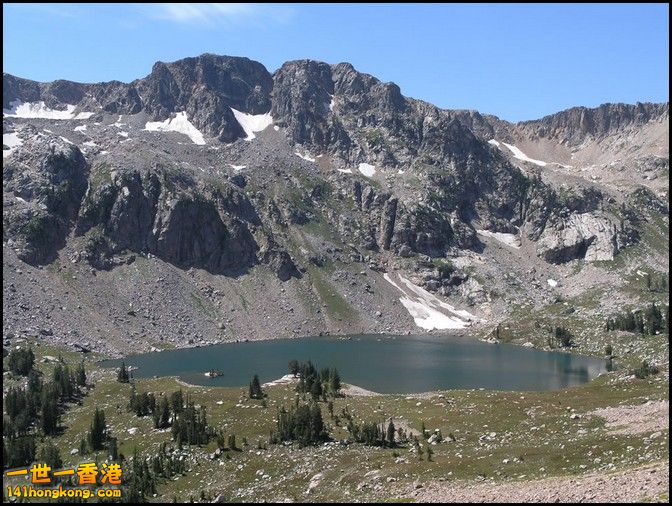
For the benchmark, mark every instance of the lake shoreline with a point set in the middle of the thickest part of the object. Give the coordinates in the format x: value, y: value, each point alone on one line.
x: 404, y: 365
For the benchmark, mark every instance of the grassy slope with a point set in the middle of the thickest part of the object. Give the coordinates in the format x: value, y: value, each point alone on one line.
x: 557, y: 446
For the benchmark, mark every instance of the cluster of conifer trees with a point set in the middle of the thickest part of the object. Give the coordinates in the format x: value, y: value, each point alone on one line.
x: 320, y: 385
x: 303, y: 424
x: 188, y: 422
x: 649, y: 321
x: 38, y: 407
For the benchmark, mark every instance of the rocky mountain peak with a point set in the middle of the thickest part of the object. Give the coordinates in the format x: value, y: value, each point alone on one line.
x: 578, y: 122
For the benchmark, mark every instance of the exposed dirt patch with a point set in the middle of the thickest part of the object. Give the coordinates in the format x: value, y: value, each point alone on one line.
x: 633, y: 485
x: 649, y: 417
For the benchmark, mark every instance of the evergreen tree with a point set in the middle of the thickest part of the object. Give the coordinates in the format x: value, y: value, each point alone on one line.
x: 293, y: 367
x: 80, y: 374
x: 113, y: 449
x: 316, y: 390
x: 50, y: 455
x: 49, y: 411
x: 122, y: 375
x: 164, y: 413
x: 83, y: 447
x: 563, y: 336
x: 334, y: 382
x: 20, y: 451
x: 98, y: 432
x: 390, y: 433
x: 255, y: 389
x: 21, y: 361
x: 176, y: 403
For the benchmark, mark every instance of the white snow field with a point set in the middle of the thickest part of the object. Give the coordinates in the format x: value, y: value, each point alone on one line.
x: 517, y: 153
x: 12, y: 141
x: 179, y: 124
x: 305, y: 156
x: 367, y: 169
x: 39, y: 110
x: 427, y: 310
x: 252, y: 123
x: 511, y: 240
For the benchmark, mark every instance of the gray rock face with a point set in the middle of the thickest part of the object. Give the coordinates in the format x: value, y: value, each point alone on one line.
x: 189, y: 232
x: 573, y: 125
x: 387, y: 220
x: 588, y: 235
x: 46, y: 183
x: 207, y: 87
x: 150, y: 212
x: 460, y: 182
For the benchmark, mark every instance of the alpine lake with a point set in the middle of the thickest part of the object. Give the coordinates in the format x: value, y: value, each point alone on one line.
x: 380, y: 363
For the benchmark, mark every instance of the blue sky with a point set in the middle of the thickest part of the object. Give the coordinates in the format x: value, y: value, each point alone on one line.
x: 515, y: 61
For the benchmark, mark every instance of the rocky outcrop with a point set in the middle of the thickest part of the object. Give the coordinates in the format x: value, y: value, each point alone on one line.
x: 590, y: 236
x: 387, y: 220
x: 572, y: 126
x: 150, y: 212
x: 207, y: 87
x: 44, y: 184
x: 459, y: 182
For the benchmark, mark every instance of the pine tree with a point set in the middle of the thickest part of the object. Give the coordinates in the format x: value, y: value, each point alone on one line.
x: 390, y: 433
x: 334, y: 381
x: 49, y: 411
x: 83, y: 447
x: 163, y: 414
x: 122, y: 375
x: 98, y: 432
x: 176, y: 403
x: 80, y: 374
x: 21, y: 361
x: 316, y: 390
x: 114, y: 448
x: 293, y: 367
x: 255, y: 389
x: 50, y: 455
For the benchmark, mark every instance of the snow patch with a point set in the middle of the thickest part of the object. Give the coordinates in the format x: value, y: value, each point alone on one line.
x: 493, y: 142
x: 67, y: 140
x: 179, y: 124
x: 123, y: 134
x: 80, y: 128
x: 332, y: 103
x: 552, y: 282
x: 90, y: 144
x: 367, y: 169
x: 511, y: 240
x: 428, y: 311
x: 237, y: 167
x: 39, y: 110
x: 276, y: 127
x: 83, y: 115
x: 252, y: 123
x: 12, y: 141
x: 306, y: 156
x: 287, y: 378
x: 517, y: 153
x: 345, y: 171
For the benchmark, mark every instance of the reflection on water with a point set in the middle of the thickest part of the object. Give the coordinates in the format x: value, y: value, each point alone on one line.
x: 390, y: 364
